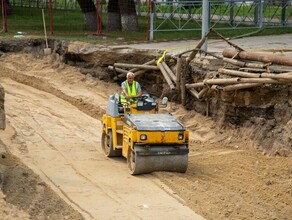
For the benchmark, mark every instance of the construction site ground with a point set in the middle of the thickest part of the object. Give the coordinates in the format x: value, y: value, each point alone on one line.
x: 53, y: 167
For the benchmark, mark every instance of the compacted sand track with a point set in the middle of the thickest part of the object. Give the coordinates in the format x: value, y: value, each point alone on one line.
x: 53, y: 127
x: 61, y: 144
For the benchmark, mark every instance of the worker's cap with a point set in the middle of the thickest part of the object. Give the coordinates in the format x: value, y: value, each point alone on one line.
x: 130, y: 74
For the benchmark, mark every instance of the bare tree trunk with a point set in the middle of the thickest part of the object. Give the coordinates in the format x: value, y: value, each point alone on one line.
x: 114, y: 16
x: 89, y: 11
x: 7, y: 7
x: 90, y: 20
x: 129, y: 19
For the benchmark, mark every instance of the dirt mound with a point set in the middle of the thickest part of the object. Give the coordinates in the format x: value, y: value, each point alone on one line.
x: 27, y: 192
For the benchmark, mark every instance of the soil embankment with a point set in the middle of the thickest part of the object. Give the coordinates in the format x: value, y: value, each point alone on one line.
x: 2, y: 109
x: 23, y: 194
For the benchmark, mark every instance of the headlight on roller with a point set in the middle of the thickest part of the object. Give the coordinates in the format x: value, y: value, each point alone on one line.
x: 181, y: 136
x: 143, y: 137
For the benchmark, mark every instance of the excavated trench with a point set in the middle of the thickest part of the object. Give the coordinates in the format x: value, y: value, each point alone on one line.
x: 31, y: 197
x: 266, y: 112
x: 261, y: 115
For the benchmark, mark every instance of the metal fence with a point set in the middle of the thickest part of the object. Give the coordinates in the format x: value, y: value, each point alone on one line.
x: 56, y: 4
x: 232, y: 14
x: 154, y: 16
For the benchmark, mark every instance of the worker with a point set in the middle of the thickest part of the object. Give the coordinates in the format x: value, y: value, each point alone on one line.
x: 130, y: 88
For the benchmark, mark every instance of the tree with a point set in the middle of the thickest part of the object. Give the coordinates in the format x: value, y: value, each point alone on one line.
x: 113, y: 16
x: 121, y: 14
x: 129, y: 19
x: 89, y: 11
x: 7, y: 7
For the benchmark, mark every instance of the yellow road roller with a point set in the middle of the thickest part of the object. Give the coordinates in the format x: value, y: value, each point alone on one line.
x: 149, y: 140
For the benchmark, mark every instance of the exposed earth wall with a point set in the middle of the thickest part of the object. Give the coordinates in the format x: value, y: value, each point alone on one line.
x: 2, y: 109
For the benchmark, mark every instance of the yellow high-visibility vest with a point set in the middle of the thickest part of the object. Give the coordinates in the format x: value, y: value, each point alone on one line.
x: 131, y: 90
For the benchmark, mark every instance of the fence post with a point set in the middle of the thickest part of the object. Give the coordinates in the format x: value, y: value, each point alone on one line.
x: 261, y: 18
x: 152, y: 8
x: 139, y: 7
x: 4, y: 16
x: 256, y: 12
x: 231, y: 17
x: 205, y: 21
x: 283, y: 13
x: 51, y: 16
x: 98, y: 17
x: 170, y: 5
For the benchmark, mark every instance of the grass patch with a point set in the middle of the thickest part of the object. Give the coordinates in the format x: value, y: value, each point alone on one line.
x: 70, y: 25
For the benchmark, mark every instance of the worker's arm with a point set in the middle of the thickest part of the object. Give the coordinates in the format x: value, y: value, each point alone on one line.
x: 139, y: 93
x: 125, y: 93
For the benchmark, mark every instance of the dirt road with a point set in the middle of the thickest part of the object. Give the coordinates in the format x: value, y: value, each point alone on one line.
x: 52, y: 126
x: 62, y: 144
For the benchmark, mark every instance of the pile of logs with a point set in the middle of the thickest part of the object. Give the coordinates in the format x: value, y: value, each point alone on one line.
x: 241, y: 70
x: 248, y: 74
x: 121, y: 70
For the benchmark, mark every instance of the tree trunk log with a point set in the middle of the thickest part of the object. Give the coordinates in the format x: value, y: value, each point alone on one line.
x: 266, y: 58
x: 194, y: 93
x: 169, y: 71
x: 203, y: 92
x: 276, y: 76
x: 195, y: 85
x: 199, y: 45
x: 243, y: 64
x: 126, y: 65
x: 166, y: 77
x: 283, y: 76
x: 151, y: 62
x: 140, y: 72
x: 252, y: 70
x: 118, y: 70
x: 265, y: 80
x: 136, y: 71
x: 221, y: 81
x: 178, y: 74
x: 240, y: 86
x: 238, y: 73
x: 183, y: 90
x: 225, y: 39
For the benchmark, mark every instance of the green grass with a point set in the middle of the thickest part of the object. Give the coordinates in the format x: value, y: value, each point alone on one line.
x: 70, y: 25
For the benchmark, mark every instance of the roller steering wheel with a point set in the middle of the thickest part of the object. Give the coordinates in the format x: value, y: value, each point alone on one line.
x: 142, y: 98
